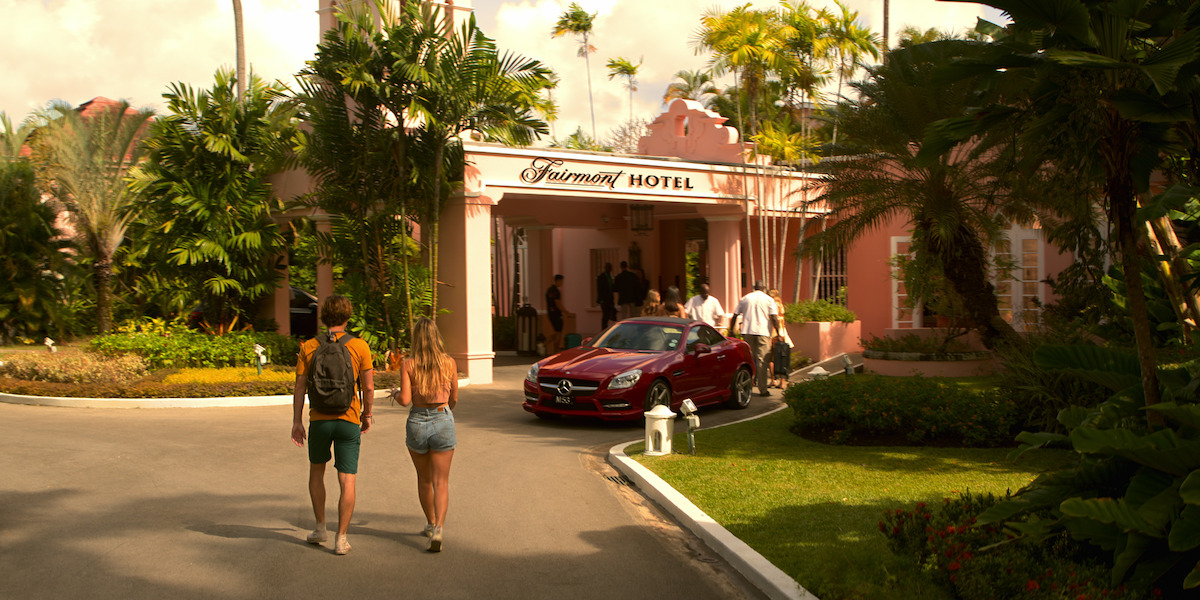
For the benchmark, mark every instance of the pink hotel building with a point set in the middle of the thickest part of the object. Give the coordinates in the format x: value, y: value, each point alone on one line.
x: 691, y: 187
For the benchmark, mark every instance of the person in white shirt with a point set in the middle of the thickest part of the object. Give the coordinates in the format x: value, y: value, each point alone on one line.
x: 703, y: 307
x: 760, y: 322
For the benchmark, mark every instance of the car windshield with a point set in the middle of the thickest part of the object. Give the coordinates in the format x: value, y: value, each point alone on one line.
x: 644, y: 337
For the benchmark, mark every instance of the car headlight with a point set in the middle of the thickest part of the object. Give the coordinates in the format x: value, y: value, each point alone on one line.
x: 625, y: 380
x: 531, y: 376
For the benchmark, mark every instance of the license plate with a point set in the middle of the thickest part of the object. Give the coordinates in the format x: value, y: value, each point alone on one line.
x: 563, y: 400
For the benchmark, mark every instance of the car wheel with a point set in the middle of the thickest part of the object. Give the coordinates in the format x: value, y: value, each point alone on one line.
x: 740, y: 389
x: 660, y: 393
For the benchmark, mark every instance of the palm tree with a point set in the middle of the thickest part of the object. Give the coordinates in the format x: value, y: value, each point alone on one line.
x: 578, y: 22
x: 209, y: 204
x: 1108, y: 98
x: 849, y: 43
x: 240, y: 41
x: 470, y: 87
x: 911, y: 36
x: 622, y: 67
x: 13, y: 139
x: 692, y: 85
x: 84, y: 160
x: 752, y: 44
x: 955, y: 206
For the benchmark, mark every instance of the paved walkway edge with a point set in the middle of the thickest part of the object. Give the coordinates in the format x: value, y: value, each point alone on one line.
x: 753, y: 566
x: 166, y: 402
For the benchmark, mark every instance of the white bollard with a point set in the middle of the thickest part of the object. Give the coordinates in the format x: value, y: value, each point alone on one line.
x: 660, y: 429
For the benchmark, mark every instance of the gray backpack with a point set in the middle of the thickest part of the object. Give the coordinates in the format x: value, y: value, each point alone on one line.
x: 331, y: 376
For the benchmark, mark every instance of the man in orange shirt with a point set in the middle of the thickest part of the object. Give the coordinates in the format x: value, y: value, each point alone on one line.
x: 341, y: 431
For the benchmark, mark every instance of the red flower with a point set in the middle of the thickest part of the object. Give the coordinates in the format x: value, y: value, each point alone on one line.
x: 896, y: 530
x: 954, y: 566
x: 882, y: 527
x: 1031, y: 585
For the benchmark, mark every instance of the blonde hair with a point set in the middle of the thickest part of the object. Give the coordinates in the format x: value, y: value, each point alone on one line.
x: 775, y: 295
x: 430, y: 369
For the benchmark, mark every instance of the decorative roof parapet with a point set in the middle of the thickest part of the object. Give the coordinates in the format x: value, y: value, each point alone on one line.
x: 687, y: 130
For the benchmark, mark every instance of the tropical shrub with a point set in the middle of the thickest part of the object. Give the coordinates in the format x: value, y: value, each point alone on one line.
x: 183, y: 348
x: 911, y: 342
x: 1041, y: 394
x: 983, y: 562
x: 77, y: 367
x: 821, y: 310
x: 1136, y: 490
x: 32, y: 288
x: 876, y: 410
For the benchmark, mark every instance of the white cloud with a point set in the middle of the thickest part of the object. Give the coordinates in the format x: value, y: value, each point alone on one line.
x: 132, y: 49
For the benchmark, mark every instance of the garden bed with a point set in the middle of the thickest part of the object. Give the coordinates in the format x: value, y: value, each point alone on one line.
x: 943, y: 364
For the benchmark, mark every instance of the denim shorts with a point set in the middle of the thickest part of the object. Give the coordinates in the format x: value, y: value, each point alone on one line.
x: 430, y: 429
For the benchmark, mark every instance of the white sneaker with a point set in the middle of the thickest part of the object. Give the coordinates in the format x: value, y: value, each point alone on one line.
x: 435, y: 540
x: 428, y: 531
x: 341, y: 545
x: 318, y: 535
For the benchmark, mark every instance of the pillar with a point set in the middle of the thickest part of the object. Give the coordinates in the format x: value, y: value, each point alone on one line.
x: 725, y: 259
x: 324, y: 267
x: 464, y: 243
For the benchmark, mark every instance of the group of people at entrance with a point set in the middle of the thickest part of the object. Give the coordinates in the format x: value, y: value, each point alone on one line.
x: 336, y: 365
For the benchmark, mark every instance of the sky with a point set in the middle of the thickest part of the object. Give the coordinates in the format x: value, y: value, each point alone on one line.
x: 75, y: 50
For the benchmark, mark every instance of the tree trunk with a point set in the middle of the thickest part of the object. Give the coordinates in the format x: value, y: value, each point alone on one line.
x: 239, y: 33
x: 965, y: 266
x: 1123, y: 209
x: 1117, y: 153
x: 103, y: 271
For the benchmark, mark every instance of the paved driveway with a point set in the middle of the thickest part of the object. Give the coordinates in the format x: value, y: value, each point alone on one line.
x: 212, y: 503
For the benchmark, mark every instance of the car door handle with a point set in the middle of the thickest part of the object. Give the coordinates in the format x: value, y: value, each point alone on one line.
x: 720, y: 357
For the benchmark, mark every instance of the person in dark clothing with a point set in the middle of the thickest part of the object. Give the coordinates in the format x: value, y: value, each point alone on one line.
x: 554, y: 312
x: 629, y: 289
x: 781, y: 363
x: 604, y: 296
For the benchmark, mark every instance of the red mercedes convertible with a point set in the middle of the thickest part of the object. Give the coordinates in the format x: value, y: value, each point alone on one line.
x: 637, y: 364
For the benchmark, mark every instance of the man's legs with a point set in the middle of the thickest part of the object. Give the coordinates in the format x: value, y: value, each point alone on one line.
x: 346, y: 502
x: 316, y: 490
x: 759, y: 348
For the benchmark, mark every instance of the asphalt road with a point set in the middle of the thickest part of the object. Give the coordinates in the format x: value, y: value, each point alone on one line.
x: 212, y: 503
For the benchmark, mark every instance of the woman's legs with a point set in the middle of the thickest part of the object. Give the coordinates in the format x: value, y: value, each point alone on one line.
x: 441, y: 484
x: 433, y: 483
x: 424, y: 467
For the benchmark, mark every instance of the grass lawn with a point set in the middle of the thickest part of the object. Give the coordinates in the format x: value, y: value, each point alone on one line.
x: 813, y: 510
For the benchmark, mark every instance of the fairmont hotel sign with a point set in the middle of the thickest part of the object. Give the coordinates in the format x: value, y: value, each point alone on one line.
x: 552, y: 171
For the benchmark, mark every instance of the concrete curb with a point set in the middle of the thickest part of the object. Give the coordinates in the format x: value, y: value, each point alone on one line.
x: 232, y: 401
x: 753, y: 566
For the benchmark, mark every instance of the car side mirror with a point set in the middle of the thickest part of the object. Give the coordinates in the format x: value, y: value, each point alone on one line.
x: 702, y: 349
x: 586, y: 341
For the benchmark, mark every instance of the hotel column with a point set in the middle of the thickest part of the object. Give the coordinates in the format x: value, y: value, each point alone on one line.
x: 324, y: 269
x: 725, y: 259
x: 464, y: 237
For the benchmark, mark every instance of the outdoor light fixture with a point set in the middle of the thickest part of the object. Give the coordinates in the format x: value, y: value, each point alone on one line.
x: 641, y: 217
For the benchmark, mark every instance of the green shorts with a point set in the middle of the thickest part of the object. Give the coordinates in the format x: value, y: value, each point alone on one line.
x: 344, y: 436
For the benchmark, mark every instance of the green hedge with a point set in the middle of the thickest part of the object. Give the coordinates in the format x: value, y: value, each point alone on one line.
x: 179, y: 349
x: 877, y: 410
x: 818, y: 310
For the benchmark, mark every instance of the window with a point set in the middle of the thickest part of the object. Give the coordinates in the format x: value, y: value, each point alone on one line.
x: 903, y: 315
x: 1019, y: 277
x: 831, y: 277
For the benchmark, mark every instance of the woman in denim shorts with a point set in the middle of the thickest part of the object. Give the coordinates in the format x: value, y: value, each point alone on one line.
x: 429, y: 382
